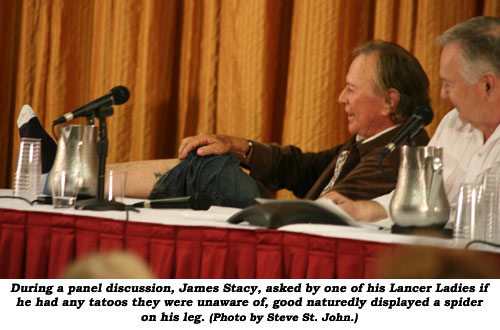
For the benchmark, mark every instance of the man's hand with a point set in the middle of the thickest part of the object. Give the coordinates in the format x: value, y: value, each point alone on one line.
x: 209, y: 144
x: 365, y: 211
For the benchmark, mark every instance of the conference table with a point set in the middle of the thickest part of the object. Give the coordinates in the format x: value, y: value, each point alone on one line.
x: 40, y: 241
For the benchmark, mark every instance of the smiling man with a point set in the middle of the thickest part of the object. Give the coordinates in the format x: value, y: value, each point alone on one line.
x: 470, y: 133
x: 368, y: 110
x: 383, y: 86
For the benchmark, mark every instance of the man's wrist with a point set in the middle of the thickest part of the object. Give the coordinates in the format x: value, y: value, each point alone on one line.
x: 241, y: 148
x: 248, y: 151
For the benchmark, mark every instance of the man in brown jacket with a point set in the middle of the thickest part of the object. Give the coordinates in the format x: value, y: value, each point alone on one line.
x: 385, y: 83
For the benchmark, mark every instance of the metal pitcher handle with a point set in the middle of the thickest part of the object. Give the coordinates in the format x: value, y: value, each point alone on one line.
x: 436, y: 179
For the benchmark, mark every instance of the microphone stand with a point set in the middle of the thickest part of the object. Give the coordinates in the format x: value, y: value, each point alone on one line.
x: 90, y: 119
x: 100, y: 203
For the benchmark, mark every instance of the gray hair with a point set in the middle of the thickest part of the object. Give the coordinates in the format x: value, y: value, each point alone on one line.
x: 479, y: 40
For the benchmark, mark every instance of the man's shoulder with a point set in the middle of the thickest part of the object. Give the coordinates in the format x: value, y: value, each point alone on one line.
x: 450, y: 128
x: 451, y: 118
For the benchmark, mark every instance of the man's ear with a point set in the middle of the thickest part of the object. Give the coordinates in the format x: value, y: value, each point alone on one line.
x: 392, y: 98
x: 489, y: 81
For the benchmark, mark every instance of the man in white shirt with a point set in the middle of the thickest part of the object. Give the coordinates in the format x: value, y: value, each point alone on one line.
x: 470, y: 133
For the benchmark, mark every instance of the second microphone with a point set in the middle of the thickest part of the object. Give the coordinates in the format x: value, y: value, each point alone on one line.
x: 198, y: 201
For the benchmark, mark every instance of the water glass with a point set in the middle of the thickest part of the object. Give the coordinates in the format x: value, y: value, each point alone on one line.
x: 27, y: 178
x: 466, y: 212
x: 65, y: 187
x: 114, y: 188
x: 486, y: 226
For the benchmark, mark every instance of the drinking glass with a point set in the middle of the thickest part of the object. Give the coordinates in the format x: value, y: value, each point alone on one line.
x: 466, y: 212
x: 487, y: 212
x: 27, y: 178
x: 65, y: 188
x: 114, y: 187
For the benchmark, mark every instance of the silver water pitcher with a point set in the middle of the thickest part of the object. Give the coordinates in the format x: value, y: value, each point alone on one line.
x: 419, y: 198
x: 77, y: 155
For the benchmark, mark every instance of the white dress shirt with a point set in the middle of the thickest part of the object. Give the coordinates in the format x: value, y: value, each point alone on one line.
x: 465, y: 155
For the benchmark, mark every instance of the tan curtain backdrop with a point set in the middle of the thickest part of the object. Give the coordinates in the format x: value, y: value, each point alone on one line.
x: 269, y: 70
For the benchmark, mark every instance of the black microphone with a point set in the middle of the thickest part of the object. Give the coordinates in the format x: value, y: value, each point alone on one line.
x: 118, y: 95
x: 198, y: 201
x: 422, y: 116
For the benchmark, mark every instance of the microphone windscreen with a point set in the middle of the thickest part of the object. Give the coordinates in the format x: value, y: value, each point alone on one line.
x: 424, y: 112
x: 201, y: 201
x: 120, y: 94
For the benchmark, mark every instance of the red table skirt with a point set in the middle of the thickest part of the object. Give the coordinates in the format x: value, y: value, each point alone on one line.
x: 41, y: 245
